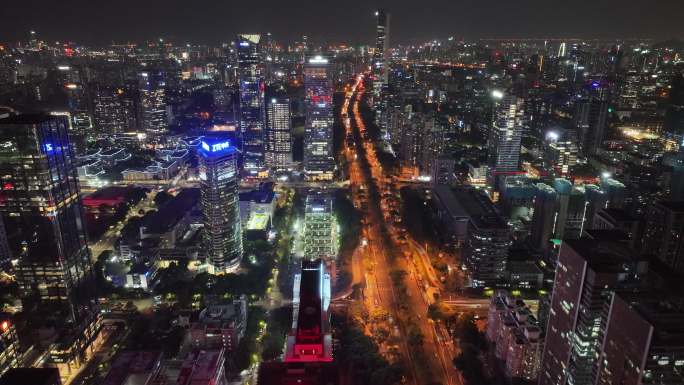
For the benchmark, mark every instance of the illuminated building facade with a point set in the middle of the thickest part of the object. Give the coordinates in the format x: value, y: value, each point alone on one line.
x: 319, y: 163
x: 278, y: 134
x: 644, y: 340
x: 560, y: 151
x: 588, y: 272
x: 591, y: 117
x: 153, y: 102
x: 42, y: 210
x: 9, y: 345
x: 488, y: 239
x: 109, y: 112
x: 504, y: 137
x: 220, y: 326
x: 380, y: 72
x: 219, y: 180
x: 320, y: 229
x: 310, y: 339
x: 516, y: 335
x: 252, y: 109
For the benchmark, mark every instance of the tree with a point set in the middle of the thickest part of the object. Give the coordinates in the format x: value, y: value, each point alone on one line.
x: 415, y: 337
x: 470, y: 365
x: 434, y: 312
x: 162, y: 198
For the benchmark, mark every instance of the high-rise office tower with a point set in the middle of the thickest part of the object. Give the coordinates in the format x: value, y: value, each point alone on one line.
x: 504, y: 136
x: 381, y: 53
x: 544, y: 216
x: 278, y: 134
x: 677, y: 178
x: 560, y: 151
x: 663, y: 233
x: 252, y: 111
x: 109, y: 112
x: 320, y: 229
x: 591, y: 117
x: 310, y: 340
x: 380, y: 70
x: 587, y: 273
x: 153, y: 114
x: 219, y: 179
x: 42, y: 210
x: 674, y: 115
x: 319, y: 163
x: 644, y: 340
x: 81, y: 131
x: 488, y: 240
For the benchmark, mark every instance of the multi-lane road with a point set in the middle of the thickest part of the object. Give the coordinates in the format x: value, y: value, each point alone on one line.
x: 373, y: 258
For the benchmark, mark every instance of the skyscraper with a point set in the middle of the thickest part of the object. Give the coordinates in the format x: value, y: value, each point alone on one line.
x: 153, y: 115
x: 310, y: 339
x: 677, y: 179
x: 674, y: 115
x: 278, y: 134
x: 544, y: 216
x: 504, y: 136
x: 219, y: 180
x: 588, y: 272
x: 252, y: 111
x: 42, y: 210
x: 320, y: 229
x: 488, y: 238
x: 591, y: 117
x: 644, y: 340
x: 381, y: 52
x: 663, y: 229
x: 560, y: 151
x: 380, y: 70
x: 109, y: 113
x: 319, y: 163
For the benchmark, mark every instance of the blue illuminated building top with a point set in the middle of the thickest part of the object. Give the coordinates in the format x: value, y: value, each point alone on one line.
x: 209, y: 146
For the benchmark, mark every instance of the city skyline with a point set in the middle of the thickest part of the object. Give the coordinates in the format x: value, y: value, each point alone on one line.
x: 306, y: 199
x: 99, y: 24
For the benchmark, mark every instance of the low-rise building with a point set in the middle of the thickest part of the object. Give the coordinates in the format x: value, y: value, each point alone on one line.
x: 220, y: 325
x: 516, y: 336
x: 76, y: 343
x: 257, y: 208
x: 203, y: 367
x: 9, y: 344
x: 134, y: 367
x: 113, y: 156
x: 164, y: 170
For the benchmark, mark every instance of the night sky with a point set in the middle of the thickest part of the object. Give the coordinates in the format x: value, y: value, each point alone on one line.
x: 210, y: 21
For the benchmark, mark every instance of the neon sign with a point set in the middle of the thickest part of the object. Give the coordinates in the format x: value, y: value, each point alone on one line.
x: 48, y: 147
x: 216, y: 146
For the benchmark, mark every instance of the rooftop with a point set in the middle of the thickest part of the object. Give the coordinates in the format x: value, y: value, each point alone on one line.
x: 31, y: 376
x: 201, y: 367
x: 479, y: 208
x: 133, y: 367
x: 172, y: 211
x: 603, y: 253
x: 26, y: 119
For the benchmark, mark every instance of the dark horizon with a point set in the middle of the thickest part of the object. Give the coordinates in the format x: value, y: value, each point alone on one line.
x: 353, y: 22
